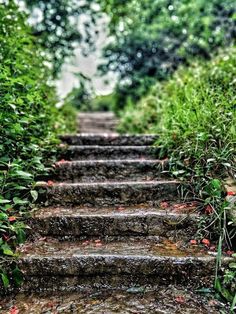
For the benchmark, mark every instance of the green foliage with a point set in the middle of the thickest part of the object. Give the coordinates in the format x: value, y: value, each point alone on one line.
x: 29, y: 122
x: 102, y: 103
x: 57, y: 24
x: 68, y: 121
x: 193, y: 112
x: 80, y: 97
x: 194, y: 115
x: 153, y: 37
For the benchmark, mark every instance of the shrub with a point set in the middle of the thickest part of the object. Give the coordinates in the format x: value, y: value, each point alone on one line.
x: 194, y: 114
x: 29, y: 122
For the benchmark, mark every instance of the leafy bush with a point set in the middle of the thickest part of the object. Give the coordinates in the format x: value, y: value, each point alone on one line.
x: 29, y: 122
x: 194, y: 114
x: 102, y: 103
x: 153, y: 37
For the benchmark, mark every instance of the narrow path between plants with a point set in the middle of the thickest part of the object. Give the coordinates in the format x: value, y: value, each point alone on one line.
x: 115, y: 234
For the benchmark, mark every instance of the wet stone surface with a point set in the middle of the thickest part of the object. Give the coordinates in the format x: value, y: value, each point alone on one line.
x: 107, y: 139
x: 109, y: 152
x: 135, y: 300
x: 112, y: 193
x: 102, y: 170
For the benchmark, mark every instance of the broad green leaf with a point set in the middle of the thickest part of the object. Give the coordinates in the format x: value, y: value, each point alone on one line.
x: 7, y: 250
x: 34, y: 195
x: 5, y: 280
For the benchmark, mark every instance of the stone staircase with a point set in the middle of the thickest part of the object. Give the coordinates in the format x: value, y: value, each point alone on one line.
x: 113, y: 219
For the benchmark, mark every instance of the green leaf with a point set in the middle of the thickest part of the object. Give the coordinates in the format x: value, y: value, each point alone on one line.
x: 3, y: 216
x: 21, y: 237
x: 34, y: 195
x: 5, y: 280
x: 3, y: 201
x: 7, y: 250
x: 232, y: 308
x: 23, y: 174
x: 17, y: 276
x: 19, y: 201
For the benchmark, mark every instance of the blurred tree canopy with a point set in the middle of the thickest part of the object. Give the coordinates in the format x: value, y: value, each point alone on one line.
x: 152, y: 37
x: 59, y: 26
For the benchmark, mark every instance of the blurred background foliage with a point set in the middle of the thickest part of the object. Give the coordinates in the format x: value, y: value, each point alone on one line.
x: 151, y: 38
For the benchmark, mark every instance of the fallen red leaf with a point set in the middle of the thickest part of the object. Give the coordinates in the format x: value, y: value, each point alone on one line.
x: 12, y: 218
x: 14, y: 310
x: 85, y: 243
x: 208, y: 210
x: 213, y: 302
x: 62, y: 161
x: 231, y: 193
x: 229, y: 252
x: 98, y: 244
x: 206, y: 242
x: 193, y: 242
x: 180, y: 299
x: 50, y: 183
x: 120, y: 208
x: 164, y: 205
x: 5, y: 237
x: 97, y: 241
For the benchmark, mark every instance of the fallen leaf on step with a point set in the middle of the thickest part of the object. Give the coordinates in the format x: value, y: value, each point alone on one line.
x: 98, y: 244
x: 229, y: 252
x: 14, y: 310
x: 209, y: 210
x: 180, y: 299
x: 164, y: 205
x: 206, y: 242
x: 120, y: 208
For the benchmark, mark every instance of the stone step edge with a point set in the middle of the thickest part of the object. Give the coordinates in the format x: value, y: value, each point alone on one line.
x: 142, y: 214
x: 78, y: 264
x: 108, y: 183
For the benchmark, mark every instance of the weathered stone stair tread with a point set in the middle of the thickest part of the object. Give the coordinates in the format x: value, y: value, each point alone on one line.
x: 118, y: 256
x: 109, y: 139
x: 97, y: 130
x: 115, y: 152
x: 96, y: 115
x: 112, y: 246
x: 100, y: 170
x: 184, y: 210
x: 136, y: 299
x: 60, y: 221
x: 110, y: 193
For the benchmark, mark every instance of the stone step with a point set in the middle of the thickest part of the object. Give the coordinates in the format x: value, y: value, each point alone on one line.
x: 49, y: 262
x: 98, y: 123
x: 84, y: 126
x: 112, y: 152
x: 111, y: 193
x: 96, y: 115
x: 136, y: 299
x: 64, y: 221
x: 101, y: 170
x: 109, y: 139
x: 97, y: 131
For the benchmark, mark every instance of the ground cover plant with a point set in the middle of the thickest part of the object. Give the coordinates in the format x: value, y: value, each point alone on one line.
x: 194, y: 115
x: 29, y: 123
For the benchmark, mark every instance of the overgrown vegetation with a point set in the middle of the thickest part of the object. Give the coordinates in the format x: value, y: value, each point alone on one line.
x: 194, y: 115
x: 29, y: 122
x: 153, y: 37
